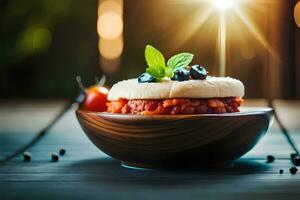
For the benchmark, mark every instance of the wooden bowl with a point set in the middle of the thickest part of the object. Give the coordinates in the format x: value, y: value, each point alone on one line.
x: 173, y: 140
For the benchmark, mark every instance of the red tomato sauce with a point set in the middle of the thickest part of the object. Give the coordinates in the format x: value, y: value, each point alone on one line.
x: 175, y: 106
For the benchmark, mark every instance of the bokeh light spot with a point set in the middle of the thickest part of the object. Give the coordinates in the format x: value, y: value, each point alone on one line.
x: 115, y: 6
x: 111, y: 49
x: 297, y: 14
x: 110, y: 25
x: 248, y: 52
x: 34, y: 40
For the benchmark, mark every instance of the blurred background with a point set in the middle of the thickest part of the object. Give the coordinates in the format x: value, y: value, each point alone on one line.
x: 44, y: 44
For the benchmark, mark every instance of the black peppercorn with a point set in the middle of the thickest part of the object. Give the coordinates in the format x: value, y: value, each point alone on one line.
x: 27, y: 156
x: 62, y: 151
x: 281, y: 171
x: 293, y: 170
x: 54, y: 157
x: 270, y: 158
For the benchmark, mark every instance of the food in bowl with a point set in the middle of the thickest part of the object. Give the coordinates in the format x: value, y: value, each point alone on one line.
x: 213, y: 96
x: 148, y: 122
x: 175, y: 88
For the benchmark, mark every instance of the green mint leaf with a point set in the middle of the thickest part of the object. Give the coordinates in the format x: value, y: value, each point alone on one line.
x: 156, y: 62
x: 180, y: 60
x: 154, y: 57
x: 156, y: 72
x: 169, y: 72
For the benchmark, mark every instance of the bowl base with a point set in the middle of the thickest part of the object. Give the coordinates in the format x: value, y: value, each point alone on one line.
x: 214, y: 165
x: 136, y: 166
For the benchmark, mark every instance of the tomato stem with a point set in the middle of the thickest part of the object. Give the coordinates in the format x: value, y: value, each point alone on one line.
x: 102, y: 80
x: 80, y: 85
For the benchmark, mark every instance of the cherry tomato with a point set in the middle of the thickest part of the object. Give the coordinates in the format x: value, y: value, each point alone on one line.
x: 95, y: 99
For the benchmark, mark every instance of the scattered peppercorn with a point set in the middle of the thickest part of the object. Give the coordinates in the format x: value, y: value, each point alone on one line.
x: 62, y: 151
x: 54, y: 157
x: 281, y: 171
x: 296, y: 160
x: 27, y: 156
x: 293, y: 155
x: 270, y: 158
x: 293, y: 170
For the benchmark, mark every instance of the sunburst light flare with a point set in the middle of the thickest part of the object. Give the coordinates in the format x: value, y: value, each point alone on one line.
x: 222, y: 8
x: 223, y: 4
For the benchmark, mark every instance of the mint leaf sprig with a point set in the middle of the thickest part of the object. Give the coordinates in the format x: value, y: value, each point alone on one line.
x: 157, y: 65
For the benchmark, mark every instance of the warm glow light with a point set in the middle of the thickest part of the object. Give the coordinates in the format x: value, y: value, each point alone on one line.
x: 256, y: 33
x: 110, y: 31
x: 297, y: 14
x: 189, y: 22
x: 108, y: 6
x: 110, y: 25
x: 223, y: 4
x: 111, y: 49
x: 247, y: 52
x: 222, y: 44
x: 236, y: 7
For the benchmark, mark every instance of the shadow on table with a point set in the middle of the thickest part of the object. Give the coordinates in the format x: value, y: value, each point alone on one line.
x: 109, y: 170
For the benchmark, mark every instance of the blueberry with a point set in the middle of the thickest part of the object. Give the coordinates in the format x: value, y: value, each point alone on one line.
x: 181, y: 75
x: 145, y: 78
x: 198, y: 72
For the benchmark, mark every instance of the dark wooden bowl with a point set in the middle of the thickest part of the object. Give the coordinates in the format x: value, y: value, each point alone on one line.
x: 173, y: 140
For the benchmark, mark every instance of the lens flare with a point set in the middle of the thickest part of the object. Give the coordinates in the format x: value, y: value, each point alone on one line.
x: 181, y: 37
x: 233, y: 17
x: 222, y: 44
x: 256, y: 33
x: 223, y: 4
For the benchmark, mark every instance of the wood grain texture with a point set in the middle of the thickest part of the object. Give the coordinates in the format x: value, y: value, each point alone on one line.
x: 87, y: 173
x: 168, y: 141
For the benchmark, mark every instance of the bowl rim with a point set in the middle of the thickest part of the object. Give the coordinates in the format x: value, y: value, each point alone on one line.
x: 246, y: 111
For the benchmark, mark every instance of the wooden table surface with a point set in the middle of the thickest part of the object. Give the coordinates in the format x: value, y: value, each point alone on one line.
x: 87, y: 173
